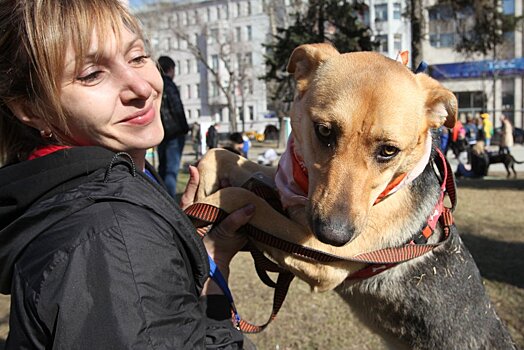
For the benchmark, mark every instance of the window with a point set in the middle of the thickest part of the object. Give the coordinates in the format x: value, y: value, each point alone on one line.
x: 397, y: 10
x: 198, y: 113
x: 219, y: 13
x: 239, y: 61
x: 197, y: 87
x: 397, y: 43
x: 251, y: 113
x: 440, y: 13
x: 208, y: 14
x: 239, y: 9
x: 240, y: 114
x: 471, y: 100
x: 214, y: 89
x: 383, y: 43
x: 249, y: 86
x: 189, y: 114
x: 508, y: 7
x: 213, y: 35
x: 249, y: 59
x: 249, y: 8
x: 442, y: 39
x: 238, y: 34
x: 173, y: 43
x: 249, y: 33
x: 381, y: 13
x: 214, y: 62
x: 177, y: 68
x: 188, y: 91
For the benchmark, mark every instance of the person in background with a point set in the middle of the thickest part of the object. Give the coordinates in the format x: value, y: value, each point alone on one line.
x: 196, y: 139
x: 246, y: 145
x: 458, y: 143
x: 235, y: 143
x: 487, y: 125
x: 471, y: 134
x: 175, y: 127
x: 95, y: 253
x: 444, y: 139
x: 471, y: 130
x: 212, y: 136
x: 479, y: 163
x: 506, y: 140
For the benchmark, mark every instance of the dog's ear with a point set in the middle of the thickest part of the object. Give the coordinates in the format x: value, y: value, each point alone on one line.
x: 441, y: 103
x: 304, y: 61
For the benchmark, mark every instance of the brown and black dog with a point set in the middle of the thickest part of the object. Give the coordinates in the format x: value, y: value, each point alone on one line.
x: 358, y: 177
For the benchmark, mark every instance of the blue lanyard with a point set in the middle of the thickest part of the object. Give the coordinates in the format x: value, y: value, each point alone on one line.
x: 219, y: 279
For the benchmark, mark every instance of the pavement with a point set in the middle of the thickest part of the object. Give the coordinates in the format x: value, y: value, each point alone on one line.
x: 496, y: 171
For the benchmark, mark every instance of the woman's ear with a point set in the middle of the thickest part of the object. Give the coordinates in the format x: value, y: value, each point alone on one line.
x: 21, y: 112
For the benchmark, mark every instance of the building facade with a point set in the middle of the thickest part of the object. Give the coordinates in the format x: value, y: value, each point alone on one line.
x: 217, y: 46
x: 229, y: 36
x: 491, y: 83
x: 389, y: 26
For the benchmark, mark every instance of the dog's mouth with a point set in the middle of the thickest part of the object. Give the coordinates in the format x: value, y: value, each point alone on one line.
x: 335, y: 231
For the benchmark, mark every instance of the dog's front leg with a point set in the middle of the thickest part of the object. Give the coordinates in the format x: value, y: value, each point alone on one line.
x: 219, y: 166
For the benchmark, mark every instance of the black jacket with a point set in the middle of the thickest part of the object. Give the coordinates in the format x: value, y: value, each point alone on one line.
x: 97, y: 255
x: 172, y: 111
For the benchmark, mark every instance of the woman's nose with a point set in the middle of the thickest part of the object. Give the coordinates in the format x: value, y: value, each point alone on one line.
x: 135, y: 85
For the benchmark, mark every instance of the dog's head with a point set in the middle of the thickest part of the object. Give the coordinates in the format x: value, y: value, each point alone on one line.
x: 360, y: 120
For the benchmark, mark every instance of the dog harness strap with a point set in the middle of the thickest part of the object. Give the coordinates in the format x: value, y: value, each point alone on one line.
x: 219, y: 279
x: 203, y: 216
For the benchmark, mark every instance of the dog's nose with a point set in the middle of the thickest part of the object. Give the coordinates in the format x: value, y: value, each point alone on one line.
x: 332, y: 231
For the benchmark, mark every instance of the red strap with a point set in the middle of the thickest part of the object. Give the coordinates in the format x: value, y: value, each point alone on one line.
x: 45, y: 150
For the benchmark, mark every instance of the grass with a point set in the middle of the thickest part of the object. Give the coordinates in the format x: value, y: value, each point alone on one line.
x: 489, y: 217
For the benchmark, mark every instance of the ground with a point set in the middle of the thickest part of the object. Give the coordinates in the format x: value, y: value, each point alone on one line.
x: 489, y: 217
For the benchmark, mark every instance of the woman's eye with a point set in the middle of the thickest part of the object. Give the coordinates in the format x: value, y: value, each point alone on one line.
x: 140, y: 59
x: 89, y: 78
x: 387, y: 152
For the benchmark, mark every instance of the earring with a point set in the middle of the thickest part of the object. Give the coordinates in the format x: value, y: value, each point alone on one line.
x: 47, y: 134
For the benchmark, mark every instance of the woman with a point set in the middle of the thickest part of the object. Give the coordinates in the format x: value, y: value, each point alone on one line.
x: 506, y: 140
x: 94, y: 252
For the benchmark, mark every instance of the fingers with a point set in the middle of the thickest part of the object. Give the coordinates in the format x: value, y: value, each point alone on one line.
x: 191, y: 188
x: 237, y: 219
x: 222, y: 242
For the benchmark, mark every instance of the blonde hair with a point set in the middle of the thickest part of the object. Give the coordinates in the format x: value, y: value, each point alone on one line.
x: 34, y: 37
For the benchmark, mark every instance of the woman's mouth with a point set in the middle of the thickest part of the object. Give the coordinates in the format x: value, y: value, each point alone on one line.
x: 143, y: 117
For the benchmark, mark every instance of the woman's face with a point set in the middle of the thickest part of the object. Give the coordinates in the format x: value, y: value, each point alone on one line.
x: 114, y: 101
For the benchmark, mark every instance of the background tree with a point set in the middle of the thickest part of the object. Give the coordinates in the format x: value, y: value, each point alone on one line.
x: 335, y: 21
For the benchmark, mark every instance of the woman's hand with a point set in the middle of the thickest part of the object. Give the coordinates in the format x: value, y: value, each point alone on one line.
x: 223, y: 242
x: 188, y: 197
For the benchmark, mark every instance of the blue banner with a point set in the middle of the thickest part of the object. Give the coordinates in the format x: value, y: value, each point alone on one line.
x: 477, y: 69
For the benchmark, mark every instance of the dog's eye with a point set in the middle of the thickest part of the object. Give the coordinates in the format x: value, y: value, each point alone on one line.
x: 387, y: 152
x: 325, y: 134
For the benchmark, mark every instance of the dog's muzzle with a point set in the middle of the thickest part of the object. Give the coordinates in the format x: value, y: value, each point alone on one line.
x: 333, y: 231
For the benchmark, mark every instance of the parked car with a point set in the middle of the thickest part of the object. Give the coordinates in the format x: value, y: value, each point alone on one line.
x: 518, y: 136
